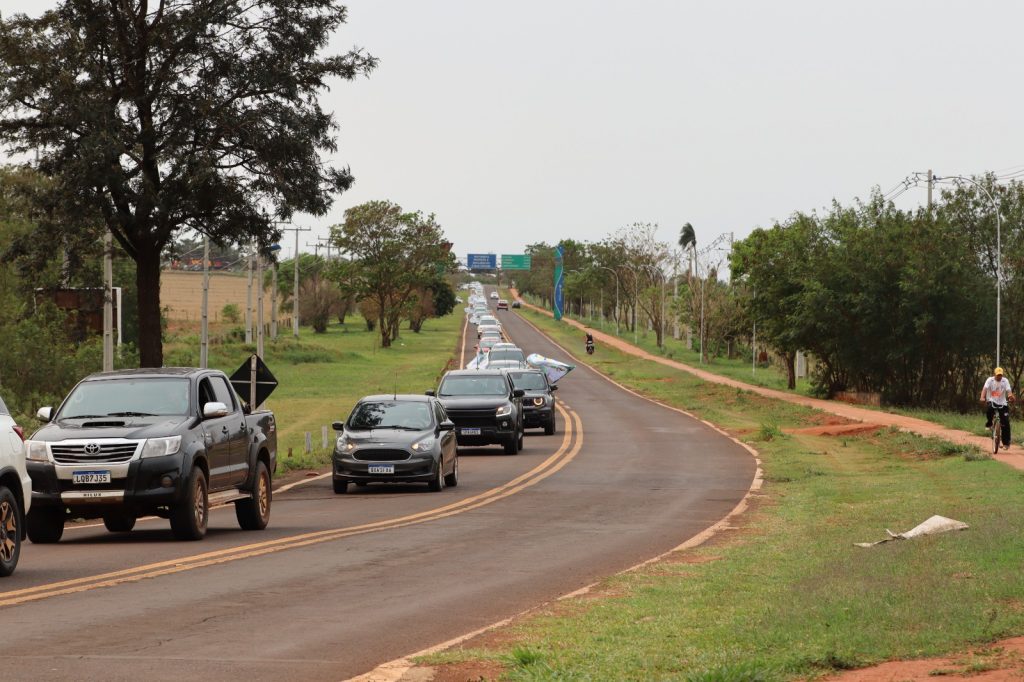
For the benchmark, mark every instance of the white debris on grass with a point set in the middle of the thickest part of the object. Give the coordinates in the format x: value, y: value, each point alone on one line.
x: 934, y: 525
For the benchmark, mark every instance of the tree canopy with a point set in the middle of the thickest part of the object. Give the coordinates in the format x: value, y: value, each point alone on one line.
x: 153, y: 118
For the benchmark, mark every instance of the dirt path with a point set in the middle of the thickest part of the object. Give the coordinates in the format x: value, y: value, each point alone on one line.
x: 860, y: 414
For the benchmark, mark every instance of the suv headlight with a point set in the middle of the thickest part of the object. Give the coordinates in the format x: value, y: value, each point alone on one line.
x: 539, y: 401
x: 35, y: 450
x: 503, y: 411
x: 423, y: 444
x: 159, y: 447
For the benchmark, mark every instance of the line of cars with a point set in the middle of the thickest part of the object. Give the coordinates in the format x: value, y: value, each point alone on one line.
x: 415, y: 438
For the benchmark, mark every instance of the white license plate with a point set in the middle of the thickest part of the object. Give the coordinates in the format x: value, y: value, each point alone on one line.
x: 88, y: 477
x: 382, y: 468
x: 470, y: 432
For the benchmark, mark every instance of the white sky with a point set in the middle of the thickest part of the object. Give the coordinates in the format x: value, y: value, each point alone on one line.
x: 540, y: 120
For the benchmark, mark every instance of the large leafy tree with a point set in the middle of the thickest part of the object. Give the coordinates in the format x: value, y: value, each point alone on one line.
x: 394, y: 256
x: 159, y: 116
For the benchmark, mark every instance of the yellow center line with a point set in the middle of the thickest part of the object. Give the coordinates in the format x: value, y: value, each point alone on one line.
x: 549, y: 466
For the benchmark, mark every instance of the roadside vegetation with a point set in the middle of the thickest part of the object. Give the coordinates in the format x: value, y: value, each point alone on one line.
x: 786, y: 594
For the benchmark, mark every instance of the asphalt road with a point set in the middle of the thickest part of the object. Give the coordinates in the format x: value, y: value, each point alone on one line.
x: 339, y: 584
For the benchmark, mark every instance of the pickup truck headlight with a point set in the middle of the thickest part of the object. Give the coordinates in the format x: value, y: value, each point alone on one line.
x: 35, y: 450
x: 503, y: 411
x: 423, y: 444
x: 158, y: 447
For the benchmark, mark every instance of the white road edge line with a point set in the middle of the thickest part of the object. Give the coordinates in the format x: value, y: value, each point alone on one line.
x: 393, y: 671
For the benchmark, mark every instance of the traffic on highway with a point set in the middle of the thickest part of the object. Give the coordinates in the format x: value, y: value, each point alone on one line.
x: 494, y: 521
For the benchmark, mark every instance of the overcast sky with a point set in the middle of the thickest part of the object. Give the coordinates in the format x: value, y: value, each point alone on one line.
x: 540, y: 120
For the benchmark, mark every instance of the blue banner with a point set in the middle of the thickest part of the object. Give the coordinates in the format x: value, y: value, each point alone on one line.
x: 559, y: 281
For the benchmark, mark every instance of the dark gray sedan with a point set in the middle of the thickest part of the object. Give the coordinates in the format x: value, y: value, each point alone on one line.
x: 396, y: 439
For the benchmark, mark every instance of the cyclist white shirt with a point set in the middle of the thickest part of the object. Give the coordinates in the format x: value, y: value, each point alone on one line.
x: 996, y: 391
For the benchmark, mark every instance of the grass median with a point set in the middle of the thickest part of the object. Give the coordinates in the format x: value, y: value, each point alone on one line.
x: 321, y: 376
x: 787, y: 594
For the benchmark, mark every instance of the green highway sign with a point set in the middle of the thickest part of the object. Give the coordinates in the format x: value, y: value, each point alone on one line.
x: 515, y: 261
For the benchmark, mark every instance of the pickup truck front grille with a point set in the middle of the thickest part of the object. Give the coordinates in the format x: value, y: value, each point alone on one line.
x: 473, y: 418
x: 380, y: 455
x: 93, y: 453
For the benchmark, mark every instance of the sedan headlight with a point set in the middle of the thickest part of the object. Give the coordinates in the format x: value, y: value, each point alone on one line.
x: 423, y: 444
x: 159, y: 447
x: 503, y: 411
x: 35, y: 450
x: 343, y: 444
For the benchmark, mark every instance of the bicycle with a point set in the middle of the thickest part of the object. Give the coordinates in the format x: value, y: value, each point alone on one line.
x: 997, y: 424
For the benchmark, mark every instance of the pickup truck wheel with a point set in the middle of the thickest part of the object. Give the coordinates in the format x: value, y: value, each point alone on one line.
x: 10, y: 532
x: 340, y: 487
x: 45, y: 524
x: 254, y: 513
x: 522, y: 432
x: 119, y: 522
x: 512, y: 445
x: 452, y: 479
x: 189, y: 519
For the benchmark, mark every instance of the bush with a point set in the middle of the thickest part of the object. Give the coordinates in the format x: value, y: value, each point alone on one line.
x: 231, y: 313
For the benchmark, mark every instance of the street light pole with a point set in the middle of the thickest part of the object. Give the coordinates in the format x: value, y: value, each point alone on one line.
x: 204, y: 332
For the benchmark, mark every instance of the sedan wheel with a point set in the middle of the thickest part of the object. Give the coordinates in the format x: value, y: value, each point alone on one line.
x: 452, y: 479
x: 437, y: 483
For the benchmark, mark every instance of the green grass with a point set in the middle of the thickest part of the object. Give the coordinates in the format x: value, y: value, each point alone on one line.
x: 788, y: 595
x: 321, y: 376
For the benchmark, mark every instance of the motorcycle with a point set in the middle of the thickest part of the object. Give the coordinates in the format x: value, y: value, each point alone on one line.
x: 590, y: 347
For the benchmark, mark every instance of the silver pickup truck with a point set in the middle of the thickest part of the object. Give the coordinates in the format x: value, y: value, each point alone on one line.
x: 168, y: 442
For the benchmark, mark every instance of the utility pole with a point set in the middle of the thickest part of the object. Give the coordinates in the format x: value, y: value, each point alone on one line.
x: 295, y: 267
x: 108, y: 301
x: 259, y: 304
x: 204, y: 332
x: 931, y: 183
x: 248, y: 299
x: 273, y: 301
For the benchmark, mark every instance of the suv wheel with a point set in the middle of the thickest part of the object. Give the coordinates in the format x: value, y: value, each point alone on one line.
x: 512, y: 445
x: 549, y: 428
x: 10, y: 532
x: 119, y: 522
x: 254, y: 513
x: 45, y: 524
x: 452, y: 479
x: 522, y: 433
x: 189, y: 519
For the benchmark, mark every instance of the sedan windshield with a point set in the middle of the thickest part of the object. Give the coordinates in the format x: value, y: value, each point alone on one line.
x: 510, y: 354
x: 529, y: 381
x: 390, y: 415
x: 127, y: 398
x: 474, y: 385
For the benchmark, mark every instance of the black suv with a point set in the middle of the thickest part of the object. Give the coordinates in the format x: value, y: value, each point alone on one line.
x: 539, y: 400
x: 485, y: 407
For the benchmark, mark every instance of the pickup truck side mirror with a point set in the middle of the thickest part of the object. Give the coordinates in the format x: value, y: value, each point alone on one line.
x: 446, y: 425
x: 338, y: 426
x: 431, y: 393
x: 44, y: 414
x: 214, y: 410
x: 518, y: 393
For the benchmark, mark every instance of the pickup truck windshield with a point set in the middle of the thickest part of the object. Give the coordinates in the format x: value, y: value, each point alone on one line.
x: 474, y: 385
x: 390, y: 415
x: 127, y: 398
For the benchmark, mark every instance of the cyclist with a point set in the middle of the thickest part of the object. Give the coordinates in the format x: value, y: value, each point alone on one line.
x: 995, y: 394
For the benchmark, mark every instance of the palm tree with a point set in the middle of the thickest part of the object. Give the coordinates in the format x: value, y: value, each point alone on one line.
x: 688, y: 240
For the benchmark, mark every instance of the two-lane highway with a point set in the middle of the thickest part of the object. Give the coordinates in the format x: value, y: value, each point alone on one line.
x: 340, y: 583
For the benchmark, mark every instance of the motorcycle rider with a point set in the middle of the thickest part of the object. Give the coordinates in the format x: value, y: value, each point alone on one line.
x: 590, y: 342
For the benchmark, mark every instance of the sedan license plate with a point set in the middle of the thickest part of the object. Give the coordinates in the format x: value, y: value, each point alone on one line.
x: 89, y: 477
x: 470, y: 432
x: 382, y: 468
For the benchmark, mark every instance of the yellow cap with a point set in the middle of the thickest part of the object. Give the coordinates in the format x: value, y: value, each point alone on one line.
x: 997, y: 370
